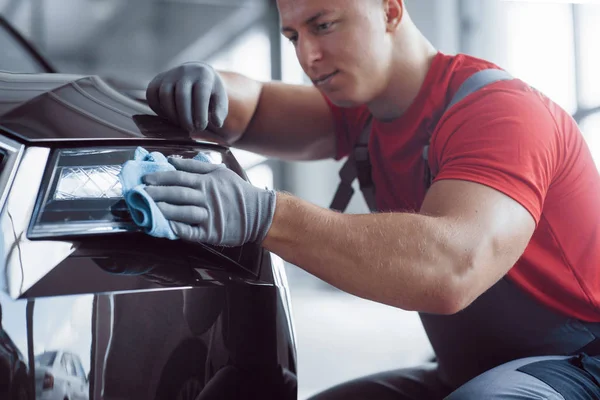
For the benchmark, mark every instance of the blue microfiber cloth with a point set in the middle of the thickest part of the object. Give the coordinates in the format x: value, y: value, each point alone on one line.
x: 143, y: 209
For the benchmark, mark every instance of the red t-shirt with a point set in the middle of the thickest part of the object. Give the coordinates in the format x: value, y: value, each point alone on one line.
x: 513, y: 139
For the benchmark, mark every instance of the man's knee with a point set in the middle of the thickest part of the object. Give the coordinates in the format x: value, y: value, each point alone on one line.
x: 507, y: 382
x: 510, y: 386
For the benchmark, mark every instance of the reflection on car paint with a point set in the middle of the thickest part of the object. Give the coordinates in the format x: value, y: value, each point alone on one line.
x: 25, y: 262
x: 204, y: 340
x: 13, y: 366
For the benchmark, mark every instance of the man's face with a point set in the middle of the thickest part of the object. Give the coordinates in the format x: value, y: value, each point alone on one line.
x: 342, y: 45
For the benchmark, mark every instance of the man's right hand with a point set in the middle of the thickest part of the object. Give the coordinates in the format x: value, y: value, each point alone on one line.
x: 191, y: 95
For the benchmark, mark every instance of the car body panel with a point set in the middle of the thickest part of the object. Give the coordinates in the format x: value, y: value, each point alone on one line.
x: 89, y: 108
x: 141, y: 344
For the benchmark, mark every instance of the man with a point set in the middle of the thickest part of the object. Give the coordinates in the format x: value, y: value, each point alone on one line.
x: 499, y: 255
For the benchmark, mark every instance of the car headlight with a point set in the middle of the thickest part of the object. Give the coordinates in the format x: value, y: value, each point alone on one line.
x: 81, y: 192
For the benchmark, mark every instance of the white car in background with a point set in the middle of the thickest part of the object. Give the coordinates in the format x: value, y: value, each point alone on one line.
x: 59, y: 375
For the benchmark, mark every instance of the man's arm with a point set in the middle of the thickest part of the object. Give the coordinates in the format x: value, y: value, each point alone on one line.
x: 277, y: 119
x: 466, y: 237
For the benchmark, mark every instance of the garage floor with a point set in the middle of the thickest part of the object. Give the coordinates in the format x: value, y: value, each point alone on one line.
x: 341, y: 336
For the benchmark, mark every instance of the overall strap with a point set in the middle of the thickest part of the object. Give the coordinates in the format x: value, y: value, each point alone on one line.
x: 475, y: 82
x: 358, y: 164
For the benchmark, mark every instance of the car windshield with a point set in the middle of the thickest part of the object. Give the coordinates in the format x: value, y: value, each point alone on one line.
x: 45, y: 359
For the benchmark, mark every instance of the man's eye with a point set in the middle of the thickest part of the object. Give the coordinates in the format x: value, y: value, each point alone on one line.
x: 293, y: 39
x: 324, y: 26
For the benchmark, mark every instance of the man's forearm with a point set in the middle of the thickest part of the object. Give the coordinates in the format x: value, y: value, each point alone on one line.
x: 243, y: 94
x: 277, y: 119
x: 401, y: 259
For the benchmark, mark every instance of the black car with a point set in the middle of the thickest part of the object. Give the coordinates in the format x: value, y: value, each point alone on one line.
x: 94, y: 308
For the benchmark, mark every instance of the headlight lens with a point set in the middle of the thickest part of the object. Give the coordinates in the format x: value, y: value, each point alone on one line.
x: 81, y: 193
x: 96, y: 182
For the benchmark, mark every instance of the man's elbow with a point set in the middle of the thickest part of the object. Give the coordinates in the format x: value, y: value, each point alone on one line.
x: 449, y: 302
x: 444, y: 298
x: 457, y: 289
x: 470, y: 280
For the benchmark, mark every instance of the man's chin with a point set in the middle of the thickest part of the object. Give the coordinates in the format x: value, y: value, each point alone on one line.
x: 343, y: 101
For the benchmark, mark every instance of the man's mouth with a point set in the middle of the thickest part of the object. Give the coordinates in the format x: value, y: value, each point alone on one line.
x: 324, y: 79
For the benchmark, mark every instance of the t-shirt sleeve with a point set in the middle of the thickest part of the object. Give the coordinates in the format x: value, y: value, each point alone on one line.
x: 505, y: 139
x: 349, y: 123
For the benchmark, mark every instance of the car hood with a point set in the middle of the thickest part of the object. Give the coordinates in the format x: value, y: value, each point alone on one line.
x: 61, y: 107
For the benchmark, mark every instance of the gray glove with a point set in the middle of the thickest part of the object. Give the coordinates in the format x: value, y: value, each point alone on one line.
x: 191, y: 95
x: 209, y: 203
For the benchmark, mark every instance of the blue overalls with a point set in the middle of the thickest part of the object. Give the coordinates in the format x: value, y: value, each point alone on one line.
x: 504, y: 345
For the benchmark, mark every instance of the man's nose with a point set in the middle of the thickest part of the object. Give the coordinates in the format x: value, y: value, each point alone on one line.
x: 309, y: 51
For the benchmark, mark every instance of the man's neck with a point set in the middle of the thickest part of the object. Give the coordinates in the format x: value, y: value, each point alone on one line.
x: 413, y: 56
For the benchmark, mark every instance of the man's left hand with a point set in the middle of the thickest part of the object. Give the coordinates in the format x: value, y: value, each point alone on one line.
x: 209, y: 203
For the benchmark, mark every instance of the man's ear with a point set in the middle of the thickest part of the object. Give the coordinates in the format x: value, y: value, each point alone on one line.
x: 394, y: 11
